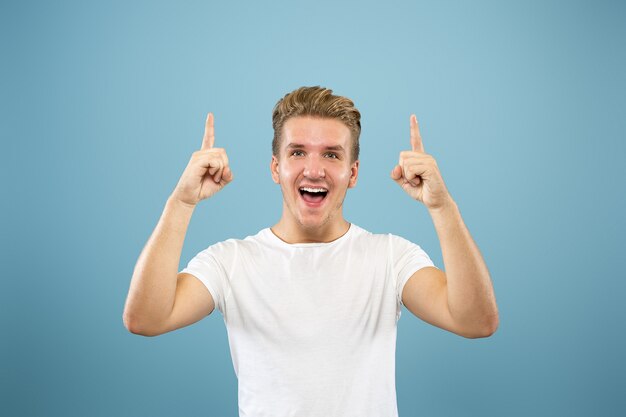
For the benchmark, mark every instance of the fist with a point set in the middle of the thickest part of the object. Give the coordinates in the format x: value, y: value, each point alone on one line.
x: 207, y: 171
x: 418, y: 174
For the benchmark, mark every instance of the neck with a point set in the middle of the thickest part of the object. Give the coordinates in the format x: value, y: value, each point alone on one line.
x: 291, y: 231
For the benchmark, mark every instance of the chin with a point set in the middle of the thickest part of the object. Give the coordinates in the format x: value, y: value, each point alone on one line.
x: 313, y: 223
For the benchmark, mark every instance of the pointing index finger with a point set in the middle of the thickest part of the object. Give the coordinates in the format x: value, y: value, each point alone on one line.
x: 209, y: 133
x: 416, y: 138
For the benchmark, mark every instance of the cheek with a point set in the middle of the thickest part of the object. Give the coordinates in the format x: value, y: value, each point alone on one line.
x: 287, y: 173
x: 342, y: 174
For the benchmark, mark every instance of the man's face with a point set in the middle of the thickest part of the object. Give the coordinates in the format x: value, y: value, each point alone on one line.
x: 314, y: 170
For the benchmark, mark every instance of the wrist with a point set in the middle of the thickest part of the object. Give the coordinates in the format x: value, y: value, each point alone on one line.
x: 448, y: 205
x: 445, y: 217
x: 176, y: 203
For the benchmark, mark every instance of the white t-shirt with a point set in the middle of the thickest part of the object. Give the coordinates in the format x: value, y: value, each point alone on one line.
x: 311, y: 326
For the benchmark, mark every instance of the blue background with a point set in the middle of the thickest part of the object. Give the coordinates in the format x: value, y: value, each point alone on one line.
x: 521, y: 103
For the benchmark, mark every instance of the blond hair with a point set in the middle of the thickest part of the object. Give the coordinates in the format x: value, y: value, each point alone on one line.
x: 320, y: 102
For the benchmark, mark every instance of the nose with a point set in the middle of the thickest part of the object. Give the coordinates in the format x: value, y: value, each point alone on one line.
x: 314, y: 168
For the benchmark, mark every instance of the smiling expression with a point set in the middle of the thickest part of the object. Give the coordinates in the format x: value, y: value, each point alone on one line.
x: 314, y: 169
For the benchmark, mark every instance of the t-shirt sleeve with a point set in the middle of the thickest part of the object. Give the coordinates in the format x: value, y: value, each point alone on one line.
x: 210, y: 267
x: 408, y: 258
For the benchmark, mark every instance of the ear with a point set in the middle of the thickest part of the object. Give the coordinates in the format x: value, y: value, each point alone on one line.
x: 274, y: 169
x: 354, y: 174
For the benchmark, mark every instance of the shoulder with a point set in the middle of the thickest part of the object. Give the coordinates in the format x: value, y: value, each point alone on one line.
x: 365, y: 238
x: 379, y: 238
x: 393, y: 246
x: 230, y: 247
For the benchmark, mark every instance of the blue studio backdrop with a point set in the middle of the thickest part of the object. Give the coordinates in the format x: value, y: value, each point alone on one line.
x: 522, y: 104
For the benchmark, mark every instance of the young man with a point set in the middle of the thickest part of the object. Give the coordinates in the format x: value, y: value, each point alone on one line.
x: 311, y: 304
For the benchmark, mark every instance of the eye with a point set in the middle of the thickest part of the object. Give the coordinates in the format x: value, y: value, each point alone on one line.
x: 331, y: 155
x: 297, y: 153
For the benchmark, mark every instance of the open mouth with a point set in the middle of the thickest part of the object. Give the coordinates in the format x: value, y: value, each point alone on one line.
x: 313, y: 194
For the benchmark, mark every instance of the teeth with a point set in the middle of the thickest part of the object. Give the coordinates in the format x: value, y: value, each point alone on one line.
x: 314, y: 190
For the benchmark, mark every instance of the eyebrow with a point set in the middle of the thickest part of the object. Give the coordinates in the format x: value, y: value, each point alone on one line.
x: 328, y: 148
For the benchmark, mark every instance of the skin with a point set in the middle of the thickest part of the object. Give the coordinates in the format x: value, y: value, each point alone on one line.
x: 207, y: 172
x: 313, y: 152
x: 461, y: 299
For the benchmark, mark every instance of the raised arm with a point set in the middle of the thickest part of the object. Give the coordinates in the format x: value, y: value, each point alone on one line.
x: 159, y: 299
x: 461, y: 299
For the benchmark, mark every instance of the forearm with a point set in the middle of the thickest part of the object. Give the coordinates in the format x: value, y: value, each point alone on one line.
x: 471, y: 298
x: 153, y: 285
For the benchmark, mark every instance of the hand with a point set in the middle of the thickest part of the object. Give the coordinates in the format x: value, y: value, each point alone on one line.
x: 417, y: 173
x: 207, y: 171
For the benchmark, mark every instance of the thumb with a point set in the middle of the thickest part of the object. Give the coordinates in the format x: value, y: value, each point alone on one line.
x: 227, y: 175
x: 396, y: 173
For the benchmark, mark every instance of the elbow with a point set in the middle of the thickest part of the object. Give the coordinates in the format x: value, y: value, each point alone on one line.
x: 486, y: 329
x: 135, y: 327
x: 131, y: 324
